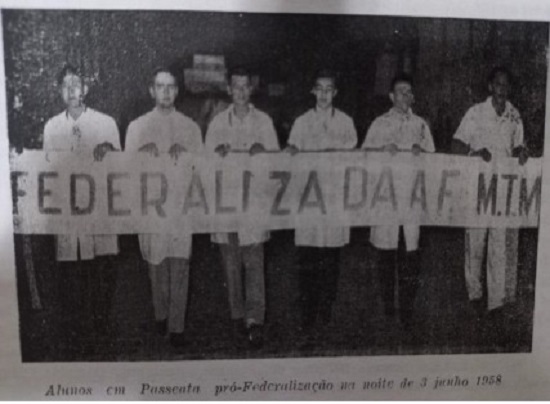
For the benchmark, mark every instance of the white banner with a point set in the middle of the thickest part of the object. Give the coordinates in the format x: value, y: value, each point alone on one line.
x: 57, y: 193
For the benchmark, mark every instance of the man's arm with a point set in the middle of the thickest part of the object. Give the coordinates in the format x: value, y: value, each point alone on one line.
x: 459, y: 147
x: 462, y: 138
x: 349, y: 138
x: 47, y: 143
x: 196, y: 139
x: 131, y: 143
x: 378, y: 137
x: 213, y: 141
x: 520, y: 150
x: 134, y: 142
x: 111, y: 140
x: 426, y: 143
x: 269, y: 138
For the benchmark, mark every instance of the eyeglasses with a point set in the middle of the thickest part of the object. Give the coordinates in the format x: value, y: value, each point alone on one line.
x: 323, y: 90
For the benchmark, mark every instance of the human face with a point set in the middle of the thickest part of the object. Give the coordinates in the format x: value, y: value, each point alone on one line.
x: 500, y: 88
x: 324, y: 92
x: 240, y: 90
x: 164, y: 90
x: 402, y: 96
x: 73, y: 91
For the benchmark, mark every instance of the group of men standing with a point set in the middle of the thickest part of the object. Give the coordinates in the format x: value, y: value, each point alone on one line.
x: 492, y: 128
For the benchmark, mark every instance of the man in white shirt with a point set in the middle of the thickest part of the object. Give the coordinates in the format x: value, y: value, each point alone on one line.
x: 87, y: 287
x: 399, y: 129
x: 322, y: 128
x: 242, y: 127
x: 165, y: 130
x: 492, y: 129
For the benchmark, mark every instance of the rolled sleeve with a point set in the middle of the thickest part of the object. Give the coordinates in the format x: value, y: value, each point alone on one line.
x: 466, y: 129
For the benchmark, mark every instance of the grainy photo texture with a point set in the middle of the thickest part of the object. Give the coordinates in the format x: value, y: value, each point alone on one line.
x: 208, y: 185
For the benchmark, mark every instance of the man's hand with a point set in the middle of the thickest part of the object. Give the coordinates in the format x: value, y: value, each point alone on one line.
x: 150, y: 148
x: 522, y: 154
x: 416, y: 149
x: 175, y: 150
x: 257, y: 148
x: 291, y: 149
x: 223, y: 149
x: 484, y: 154
x: 101, y: 150
x: 390, y: 148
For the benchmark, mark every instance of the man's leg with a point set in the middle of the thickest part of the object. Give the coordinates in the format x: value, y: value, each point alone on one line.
x: 512, y: 244
x: 253, y: 258
x: 310, y: 260
x: 385, y: 263
x: 71, y: 302
x: 408, y: 286
x: 85, y: 290
x: 179, y: 287
x: 232, y: 265
x: 102, y: 289
x: 409, y: 272
x: 160, y: 290
x: 476, y: 242
x: 329, y: 275
x: 496, y: 268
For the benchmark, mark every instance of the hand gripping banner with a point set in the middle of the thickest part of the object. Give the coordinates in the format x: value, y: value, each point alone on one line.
x: 62, y: 192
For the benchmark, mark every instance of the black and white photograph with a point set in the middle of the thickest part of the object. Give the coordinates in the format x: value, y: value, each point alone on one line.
x: 208, y: 185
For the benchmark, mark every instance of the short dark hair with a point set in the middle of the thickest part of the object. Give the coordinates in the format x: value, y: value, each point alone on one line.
x: 401, y: 78
x: 326, y: 74
x: 495, y: 71
x: 68, y: 69
x: 238, y: 71
x: 164, y: 69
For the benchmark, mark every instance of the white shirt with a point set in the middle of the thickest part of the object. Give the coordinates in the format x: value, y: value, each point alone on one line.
x: 227, y: 128
x: 401, y: 129
x: 63, y: 133
x: 322, y: 130
x: 404, y: 130
x: 164, y: 131
x: 481, y: 128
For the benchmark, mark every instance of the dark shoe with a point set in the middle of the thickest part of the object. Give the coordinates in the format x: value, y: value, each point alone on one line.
x: 479, y: 307
x: 255, y: 335
x: 177, y: 339
x: 161, y: 327
x: 239, y: 329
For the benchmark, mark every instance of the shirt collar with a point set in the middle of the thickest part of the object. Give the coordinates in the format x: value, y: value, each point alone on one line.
x: 232, y: 114
x: 158, y: 113
x: 69, y: 117
x: 328, y: 113
x: 490, y: 108
x: 396, y: 112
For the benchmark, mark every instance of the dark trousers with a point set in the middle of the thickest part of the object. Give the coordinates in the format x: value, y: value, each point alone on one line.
x: 406, y: 265
x: 244, y: 274
x: 318, y: 283
x: 85, y: 290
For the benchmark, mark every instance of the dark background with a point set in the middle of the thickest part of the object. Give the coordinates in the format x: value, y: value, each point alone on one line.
x: 449, y: 58
x: 118, y: 50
